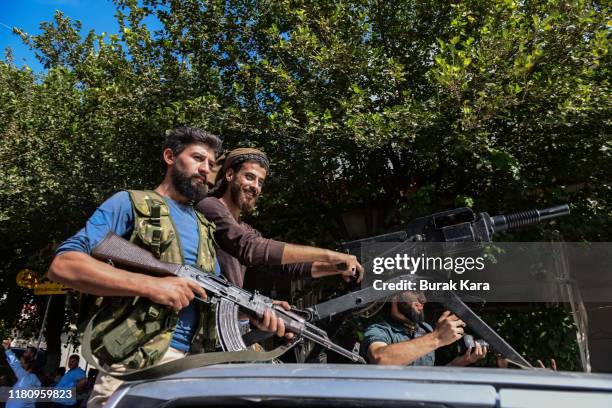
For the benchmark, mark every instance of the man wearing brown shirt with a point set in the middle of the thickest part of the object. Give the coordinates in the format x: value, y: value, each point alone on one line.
x: 238, y: 184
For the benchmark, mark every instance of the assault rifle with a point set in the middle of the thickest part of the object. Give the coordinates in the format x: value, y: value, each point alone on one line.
x: 458, y: 225
x: 227, y: 296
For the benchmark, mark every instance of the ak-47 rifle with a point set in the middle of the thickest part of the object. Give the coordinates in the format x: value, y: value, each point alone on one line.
x: 458, y: 225
x: 227, y: 296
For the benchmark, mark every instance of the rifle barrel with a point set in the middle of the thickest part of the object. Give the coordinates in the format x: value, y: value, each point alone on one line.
x: 505, y: 222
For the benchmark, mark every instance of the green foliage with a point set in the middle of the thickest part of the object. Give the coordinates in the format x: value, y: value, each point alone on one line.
x: 538, y: 333
x: 535, y: 331
x: 5, y: 331
x: 396, y: 109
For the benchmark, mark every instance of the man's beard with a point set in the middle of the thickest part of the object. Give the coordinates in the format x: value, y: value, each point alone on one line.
x: 238, y: 197
x: 184, y: 185
x: 410, y: 313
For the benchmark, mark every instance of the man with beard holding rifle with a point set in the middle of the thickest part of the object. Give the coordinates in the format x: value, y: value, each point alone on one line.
x: 164, y: 222
x: 404, y: 338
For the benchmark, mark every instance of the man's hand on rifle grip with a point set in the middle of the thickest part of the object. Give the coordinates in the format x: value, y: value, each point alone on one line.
x: 173, y: 291
x: 272, y: 323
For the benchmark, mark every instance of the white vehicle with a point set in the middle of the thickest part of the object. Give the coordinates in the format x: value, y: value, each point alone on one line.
x: 324, y: 385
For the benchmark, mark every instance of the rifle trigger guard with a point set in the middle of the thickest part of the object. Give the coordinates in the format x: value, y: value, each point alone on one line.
x: 209, y: 300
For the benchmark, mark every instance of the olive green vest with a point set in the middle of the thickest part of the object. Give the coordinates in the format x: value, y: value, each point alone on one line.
x: 136, y: 332
x: 155, y: 231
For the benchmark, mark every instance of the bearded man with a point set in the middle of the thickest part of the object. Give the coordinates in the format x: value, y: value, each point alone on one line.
x: 237, y: 186
x: 163, y: 221
x: 404, y: 338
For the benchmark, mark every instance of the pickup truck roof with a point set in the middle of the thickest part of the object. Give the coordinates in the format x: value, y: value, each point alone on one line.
x: 292, y: 385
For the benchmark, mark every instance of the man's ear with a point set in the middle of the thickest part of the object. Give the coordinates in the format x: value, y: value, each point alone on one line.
x: 229, y: 174
x: 168, y: 156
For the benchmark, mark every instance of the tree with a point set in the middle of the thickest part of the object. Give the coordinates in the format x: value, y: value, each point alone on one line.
x: 395, y: 109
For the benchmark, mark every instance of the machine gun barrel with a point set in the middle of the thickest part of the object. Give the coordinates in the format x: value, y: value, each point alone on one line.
x: 502, y: 223
x: 459, y: 225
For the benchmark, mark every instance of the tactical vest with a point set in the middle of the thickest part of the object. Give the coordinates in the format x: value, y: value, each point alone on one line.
x: 136, y: 332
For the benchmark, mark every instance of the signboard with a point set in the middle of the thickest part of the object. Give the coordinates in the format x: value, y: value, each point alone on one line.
x: 49, y: 288
x: 27, y: 278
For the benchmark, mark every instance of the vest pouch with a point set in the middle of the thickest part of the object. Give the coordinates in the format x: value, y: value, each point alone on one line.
x: 112, y: 312
x: 151, y: 352
x: 154, y: 238
x: 136, y: 332
x: 153, y: 228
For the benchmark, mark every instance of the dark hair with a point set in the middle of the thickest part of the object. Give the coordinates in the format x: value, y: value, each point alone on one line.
x: 236, y: 165
x: 75, y: 356
x: 178, y: 139
x: 246, y: 158
x: 30, y: 365
x: 33, y: 349
x: 400, y: 297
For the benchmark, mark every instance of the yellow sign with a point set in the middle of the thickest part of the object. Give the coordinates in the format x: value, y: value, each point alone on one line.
x: 29, y: 279
x: 49, y: 288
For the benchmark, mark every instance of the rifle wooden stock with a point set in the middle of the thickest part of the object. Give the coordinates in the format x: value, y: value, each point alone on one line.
x: 131, y: 257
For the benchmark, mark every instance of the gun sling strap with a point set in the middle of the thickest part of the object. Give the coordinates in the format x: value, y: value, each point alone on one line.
x: 181, y: 364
